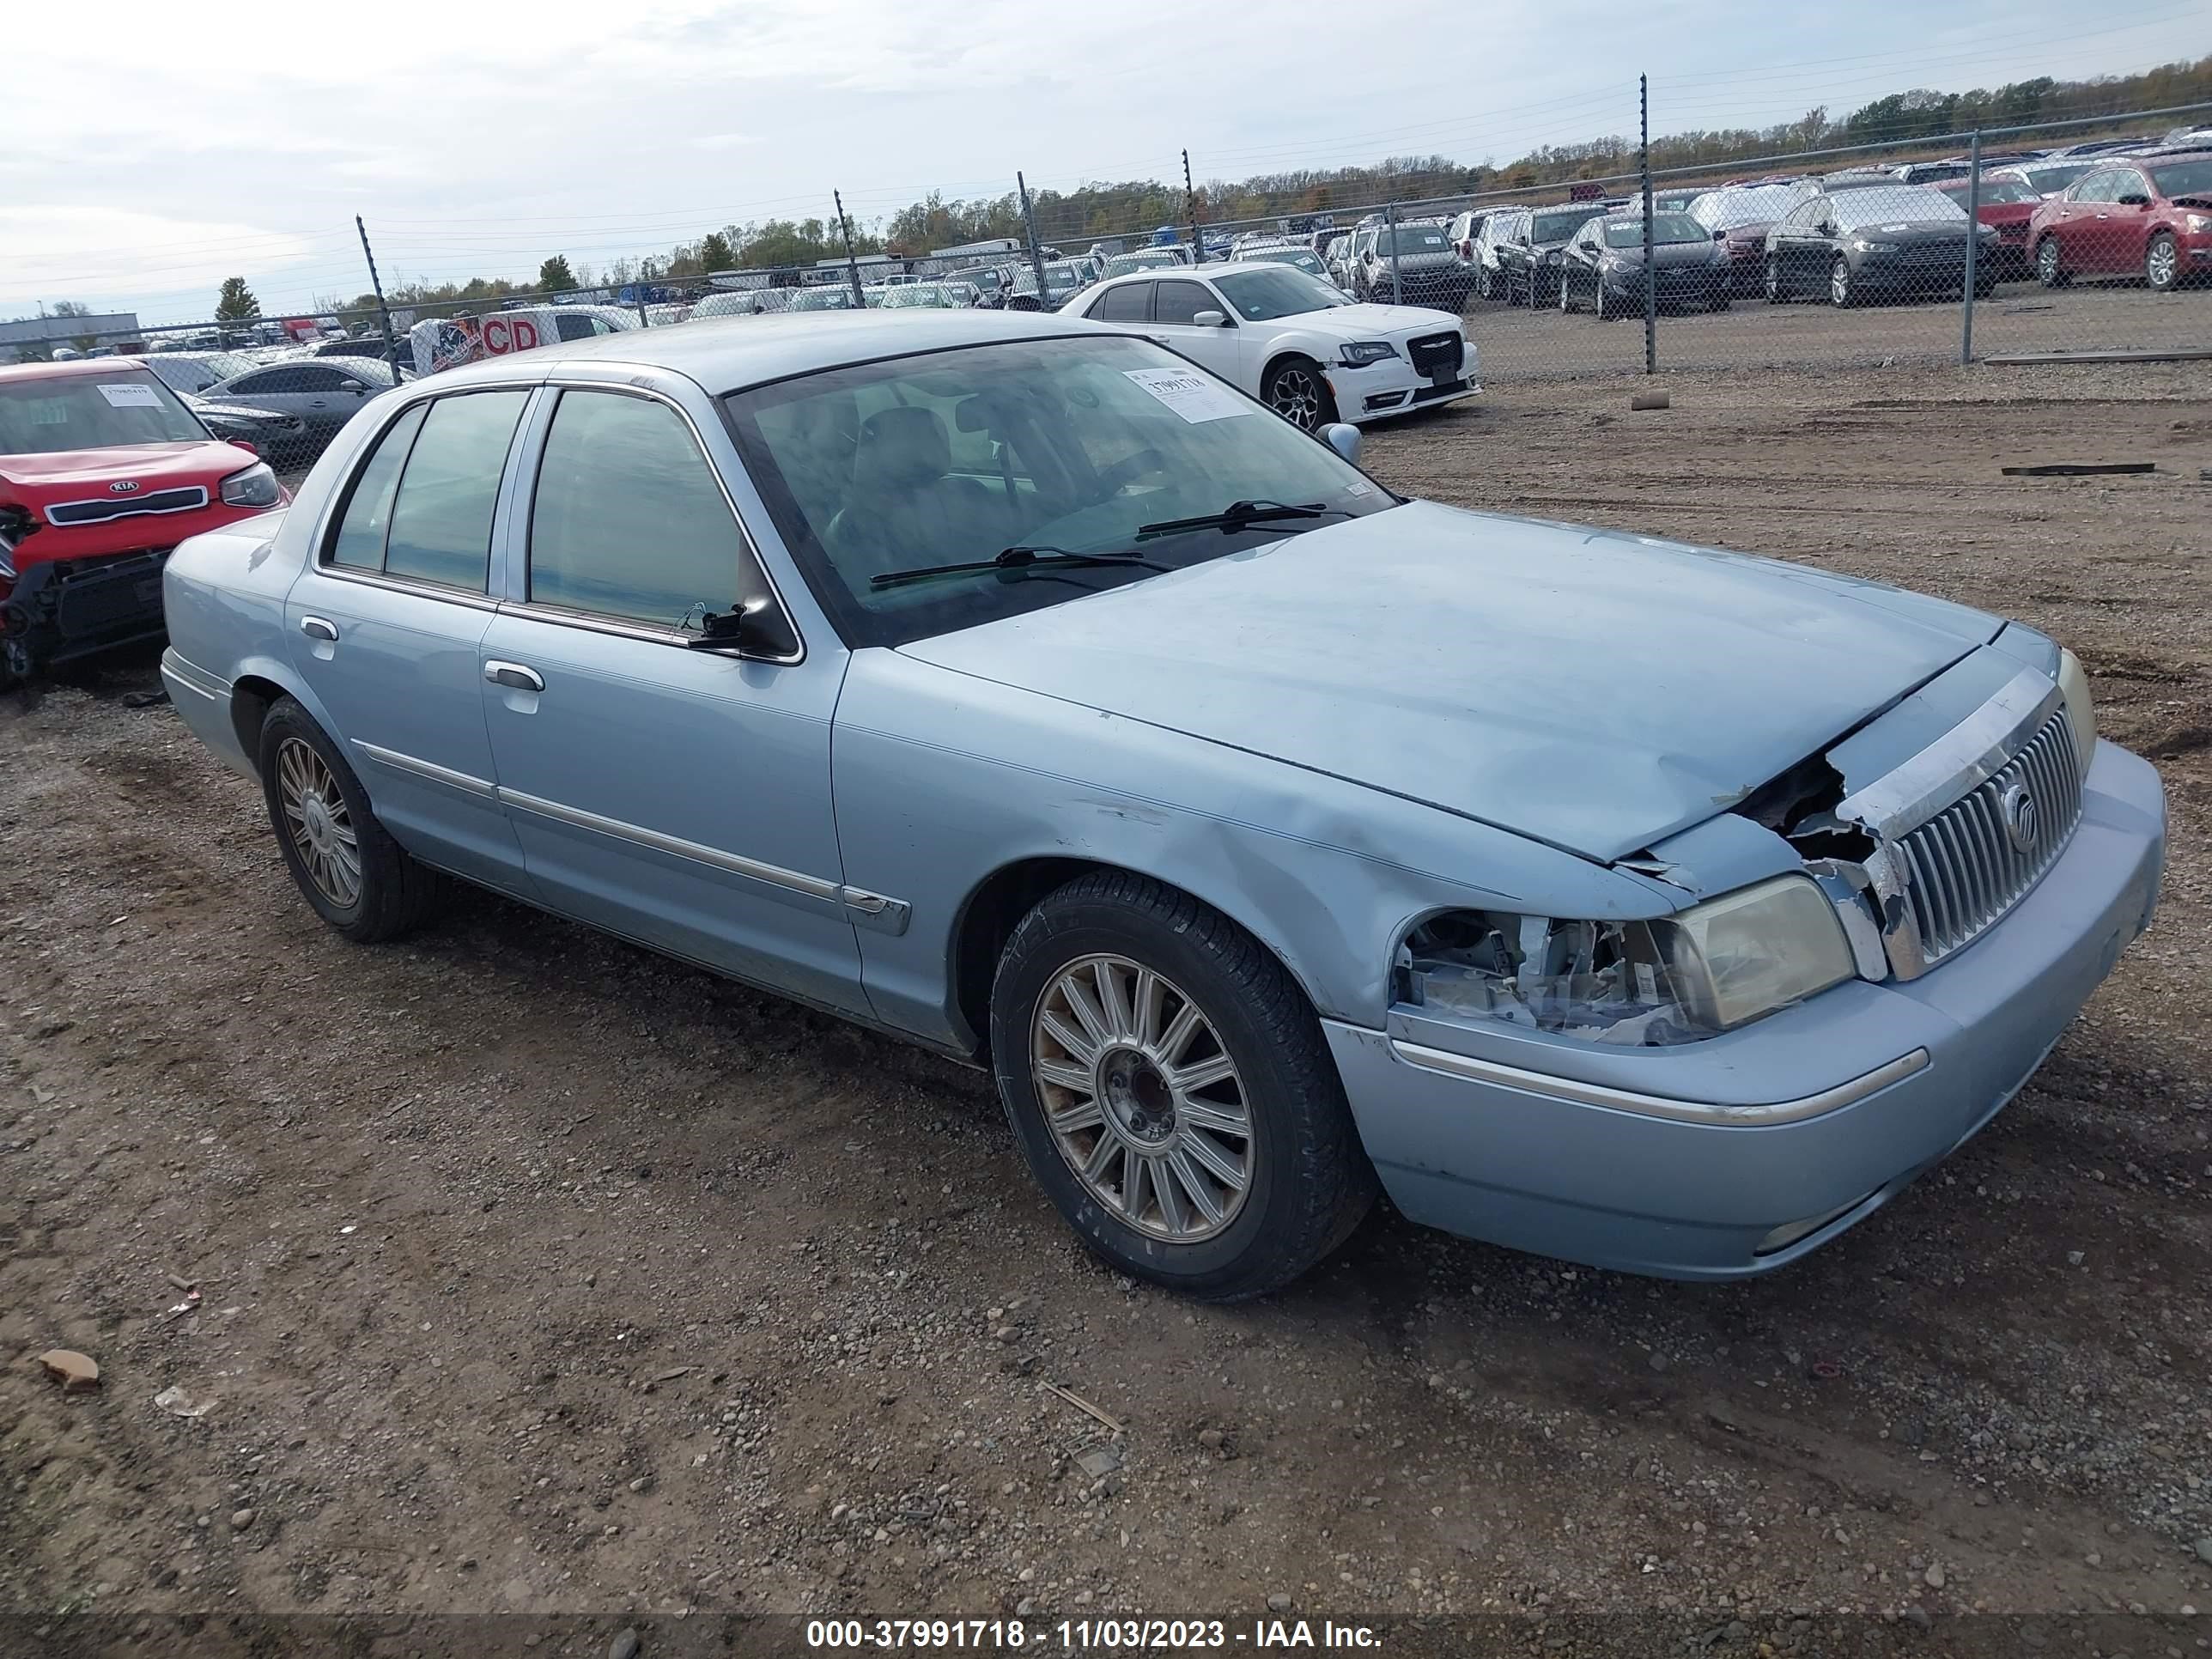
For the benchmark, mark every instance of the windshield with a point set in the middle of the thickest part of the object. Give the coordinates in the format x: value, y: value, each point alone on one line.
x: 822, y: 299
x: 54, y: 414
x: 1732, y: 209
x: 908, y: 295
x: 1122, y: 263
x: 198, y: 374
x: 1665, y: 228
x: 1558, y: 225
x: 1073, y: 443
x: 1296, y: 257
x: 2183, y: 179
x: 1995, y: 192
x: 1411, y: 238
x: 1905, y: 204
x: 1260, y: 296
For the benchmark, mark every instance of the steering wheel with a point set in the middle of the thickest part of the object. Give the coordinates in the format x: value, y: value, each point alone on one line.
x: 1128, y: 470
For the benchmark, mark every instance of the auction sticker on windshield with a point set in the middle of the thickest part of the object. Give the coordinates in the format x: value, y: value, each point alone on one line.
x: 1190, y: 394
x: 129, y: 395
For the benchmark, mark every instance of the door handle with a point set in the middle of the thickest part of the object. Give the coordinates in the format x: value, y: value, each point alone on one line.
x: 514, y: 676
x: 318, y: 627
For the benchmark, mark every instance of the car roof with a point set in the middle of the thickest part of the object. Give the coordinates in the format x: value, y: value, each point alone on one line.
x: 728, y: 353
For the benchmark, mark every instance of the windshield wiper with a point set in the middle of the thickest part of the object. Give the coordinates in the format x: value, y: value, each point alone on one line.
x: 1234, y: 517
x: 1013, y: 558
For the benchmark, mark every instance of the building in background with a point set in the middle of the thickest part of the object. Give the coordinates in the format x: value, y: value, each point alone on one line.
x: 32, y: 339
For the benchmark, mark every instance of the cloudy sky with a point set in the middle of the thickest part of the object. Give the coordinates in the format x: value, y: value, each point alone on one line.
x: 152, y: 155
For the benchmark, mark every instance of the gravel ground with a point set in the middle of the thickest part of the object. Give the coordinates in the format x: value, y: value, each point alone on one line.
x: 536, y: 1273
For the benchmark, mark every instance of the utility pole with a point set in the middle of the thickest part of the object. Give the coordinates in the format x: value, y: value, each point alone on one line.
x: 1973, y: 244
x: 1190, y: 205
x: 383, y: 311
x: 852, y: 264
x: 1029, y: 228
x: 1650, y: 275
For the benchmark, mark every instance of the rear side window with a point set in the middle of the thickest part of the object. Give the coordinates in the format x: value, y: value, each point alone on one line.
x: 627, y: 520
x: 1132, y: 302
x: 441, y: 519
x: 359, y: 545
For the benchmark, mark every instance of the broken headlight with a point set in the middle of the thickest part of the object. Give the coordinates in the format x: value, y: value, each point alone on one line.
x: 1675, y: 979
x: 2080, y: 713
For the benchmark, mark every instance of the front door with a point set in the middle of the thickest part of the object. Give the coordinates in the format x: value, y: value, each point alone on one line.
x: 679, y: 797
x: 1176, y: 305
x: 385, y: 622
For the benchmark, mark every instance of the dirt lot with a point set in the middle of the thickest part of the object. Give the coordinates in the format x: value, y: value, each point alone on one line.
x: 536, y: 1273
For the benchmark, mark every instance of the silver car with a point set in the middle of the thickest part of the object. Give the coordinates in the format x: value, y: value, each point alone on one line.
x: 1009, y: 686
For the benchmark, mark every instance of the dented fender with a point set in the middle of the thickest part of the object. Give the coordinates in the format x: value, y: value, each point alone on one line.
x: 943, y: 780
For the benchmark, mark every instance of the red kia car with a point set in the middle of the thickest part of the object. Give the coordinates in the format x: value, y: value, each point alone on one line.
x: 2140, y: 216
x: 102, y: 471
x: 2007, y: 203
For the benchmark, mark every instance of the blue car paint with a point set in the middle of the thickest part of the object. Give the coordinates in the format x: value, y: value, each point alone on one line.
x: 1328, y: 739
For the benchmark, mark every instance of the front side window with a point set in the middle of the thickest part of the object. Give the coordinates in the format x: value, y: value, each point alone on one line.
x: 1084, y: 444
x: 441, y: 517
x: 52, y: 415
x: 1181, y: 302
x: 269, y: 382
x: 627, y: 520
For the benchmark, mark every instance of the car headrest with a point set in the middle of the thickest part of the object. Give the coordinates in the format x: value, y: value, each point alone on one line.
x: 903, y: 448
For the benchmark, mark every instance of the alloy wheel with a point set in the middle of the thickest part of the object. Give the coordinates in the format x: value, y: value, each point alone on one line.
x: 1144, y: 1102
x: 319, y: 823
x: 1296, y: 397
x: 2161, y: 263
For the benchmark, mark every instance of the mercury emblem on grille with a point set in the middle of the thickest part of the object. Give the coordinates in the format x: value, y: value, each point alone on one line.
x: 2017, y: 807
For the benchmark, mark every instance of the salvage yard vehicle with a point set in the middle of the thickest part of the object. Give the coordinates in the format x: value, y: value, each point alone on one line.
x: 2148, y: 216
x: 1212, y: 812
x: 1413, y: 265
x: 1605, y: 262
x: 1738, y: 216
x: 1867, y: 246
x: 323, y: 392
x: 2006, y: 205
x: 1531, y: 250
x: 1293, y: 341
x: 103, y: 469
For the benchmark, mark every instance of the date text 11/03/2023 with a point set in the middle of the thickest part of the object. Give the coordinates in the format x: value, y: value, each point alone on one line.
x: 1086, y: 1635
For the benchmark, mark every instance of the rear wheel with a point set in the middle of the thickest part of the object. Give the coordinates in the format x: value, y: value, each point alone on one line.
x: 2162, y: 263
x: 359, y: 880
x: 1171, y: 1090
x: 2050, y: 265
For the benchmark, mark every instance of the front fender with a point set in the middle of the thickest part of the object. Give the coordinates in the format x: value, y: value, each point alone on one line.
x: 942, y: 780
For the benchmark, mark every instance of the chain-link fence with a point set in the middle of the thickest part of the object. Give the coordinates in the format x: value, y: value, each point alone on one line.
x: 2066, y: 239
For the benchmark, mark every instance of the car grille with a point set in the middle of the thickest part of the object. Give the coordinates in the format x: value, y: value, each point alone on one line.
x: 1964, y: 870
x: 100, y: 511
x: 1434, y: 354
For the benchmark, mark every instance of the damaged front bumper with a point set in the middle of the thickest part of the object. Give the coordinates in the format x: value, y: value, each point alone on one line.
x: 1392, y: 387
x: 1735, y: 1156
x: 61, y: 610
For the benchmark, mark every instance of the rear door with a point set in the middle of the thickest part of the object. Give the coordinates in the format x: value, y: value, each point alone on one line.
x: 384, y: 624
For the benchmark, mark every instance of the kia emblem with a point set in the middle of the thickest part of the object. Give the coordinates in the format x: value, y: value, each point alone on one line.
x: 123, y: 487
x: 2023, y: 825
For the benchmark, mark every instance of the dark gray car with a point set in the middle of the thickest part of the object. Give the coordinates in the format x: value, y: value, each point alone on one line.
x: 1858, y: 246
x: 1421, y: 268
x: 1604, y: 266
x: 1528, y: 258
x: 324, y: 393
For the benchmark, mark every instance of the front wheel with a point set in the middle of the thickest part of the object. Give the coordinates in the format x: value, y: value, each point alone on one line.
x: 2050, y: 264
x: 1843, y: 292
x: 2162, y: 263
x: 1566, y: 296
x: 1482, y: 284
x: 1171, y: 1090
x: 1295, y: 390
x: 348, y: 867
x: 1774, y: 293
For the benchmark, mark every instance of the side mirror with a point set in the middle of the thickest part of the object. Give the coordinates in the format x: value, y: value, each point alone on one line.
x: 1720, y: 236
x: 754, y: 627
x: 1210, y: 319
x: 1343, y: 438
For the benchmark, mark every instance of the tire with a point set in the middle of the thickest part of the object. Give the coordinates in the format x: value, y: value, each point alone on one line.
x: 1307, y: 1182
x: 1482, y: 284
x: 1597, y: 304
x: 1843, y: 293
x: 2050, y: 263
x: 2162, y: 263
x: 1775, y: 296
x: 1566, y: 301
x: 390, y: 893
x: 1295, y: 389
x: 1512, y: 288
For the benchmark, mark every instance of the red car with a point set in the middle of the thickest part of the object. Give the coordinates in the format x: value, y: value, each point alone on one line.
x: 2140, y: 216
x: 2009, y: 204
x: 102, y: 471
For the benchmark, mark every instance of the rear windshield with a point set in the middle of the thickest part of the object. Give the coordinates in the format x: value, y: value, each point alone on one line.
x: 1728, y: 210
x: 1665, y: 228
x: 2056, y: 175
x: 1998, y: 193
x: 92, y: 412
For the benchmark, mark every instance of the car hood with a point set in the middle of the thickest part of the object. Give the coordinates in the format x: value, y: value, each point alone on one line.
x: 1366, y: 321
x: 1668, y: 255
x: 149, y: 465
x: 1589, y: 688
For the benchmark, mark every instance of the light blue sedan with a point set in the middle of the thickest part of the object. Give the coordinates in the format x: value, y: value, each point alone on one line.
x: 1004, y: 683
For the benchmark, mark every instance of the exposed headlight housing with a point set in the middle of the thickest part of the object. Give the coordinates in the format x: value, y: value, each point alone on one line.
x: 2198, y: 222
x: 1649, y: 984
x: 2080, y: 712
x: 1360, y: 353
x: 254, y: 486
x: 1860, y: 244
